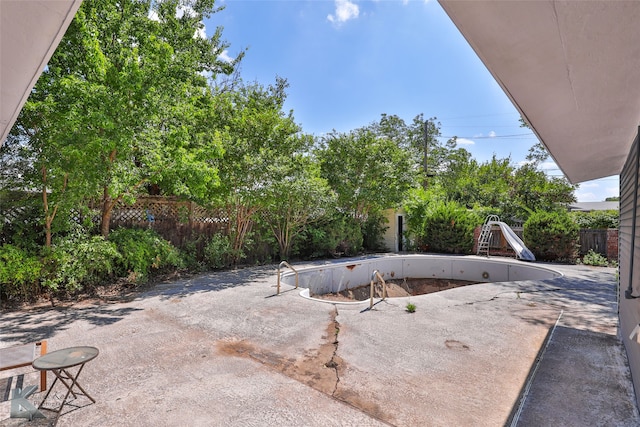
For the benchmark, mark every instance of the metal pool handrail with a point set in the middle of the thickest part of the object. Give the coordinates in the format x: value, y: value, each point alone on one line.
x: 374, y: 275
x: 286, y: 264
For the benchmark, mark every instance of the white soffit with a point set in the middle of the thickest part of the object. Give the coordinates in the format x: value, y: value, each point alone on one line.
x: 572, y: 68
x: 30, y: 31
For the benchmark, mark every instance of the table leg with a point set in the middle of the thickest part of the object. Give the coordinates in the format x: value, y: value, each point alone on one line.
x: 62, y: 378
x: 63, y: 375
x: 77, y: 384
x: 48, y: 391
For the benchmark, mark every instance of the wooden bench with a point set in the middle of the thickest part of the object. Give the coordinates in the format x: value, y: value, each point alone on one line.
x: 23, y: 355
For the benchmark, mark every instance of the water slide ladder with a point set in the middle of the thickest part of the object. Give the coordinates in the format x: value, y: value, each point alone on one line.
x: 484, y: 240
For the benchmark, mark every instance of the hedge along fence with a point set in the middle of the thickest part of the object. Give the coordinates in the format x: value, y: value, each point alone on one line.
x: 175, y: 220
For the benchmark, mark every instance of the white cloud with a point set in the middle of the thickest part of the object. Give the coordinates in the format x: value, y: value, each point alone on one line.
x: 492, y: 134
x: 612, y: 191
x: 345, y: 10
x: 587, y: 197
x: 224, y: 56
x: 465, y: 141
x: 201, y: 32
x: 589, y: 185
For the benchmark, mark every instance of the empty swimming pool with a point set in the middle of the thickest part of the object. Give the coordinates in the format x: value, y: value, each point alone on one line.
x: 339, y: 276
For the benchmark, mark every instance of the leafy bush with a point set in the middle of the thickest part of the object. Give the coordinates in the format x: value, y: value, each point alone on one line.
x: 143, y: 251
x: 552, y: 236
x: 19, y: 273
x: 448, y: 227
x: 20, y: 220
x: 347, y: 230
x: 596, y: 219
x: 594, y: 258
x: 373, y: 231
x: 192, y: 252
x: 218, y: 252
x: 315, y: 241
x: 338, y: 234
x: 78, y: 261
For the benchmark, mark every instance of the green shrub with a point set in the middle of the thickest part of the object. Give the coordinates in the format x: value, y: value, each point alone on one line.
x: 596, y: 219
x: 348, y: 232
x: 218, y: 252
x: 594, y: 258
x: 78, y: 261
x: 373, y: 231
x: 315, y: 241
x: 23, y: 226
x: 143, y: 252
x: 19, y: 274
x: 552, y: 236
x: 191, y: 252
x: 338, y: 234
x: 448, y: 227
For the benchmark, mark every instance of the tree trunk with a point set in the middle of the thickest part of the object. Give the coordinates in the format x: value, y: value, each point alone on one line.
x: 107, y: 207
x: 45, y: 206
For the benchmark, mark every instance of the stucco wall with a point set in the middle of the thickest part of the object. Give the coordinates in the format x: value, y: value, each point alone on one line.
x: 391, y: 238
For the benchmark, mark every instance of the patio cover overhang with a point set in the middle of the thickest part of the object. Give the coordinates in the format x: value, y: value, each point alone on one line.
x: 571, y: 68
x: 29, y: 34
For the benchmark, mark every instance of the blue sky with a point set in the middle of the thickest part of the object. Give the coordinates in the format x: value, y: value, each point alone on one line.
x: 347, y: 62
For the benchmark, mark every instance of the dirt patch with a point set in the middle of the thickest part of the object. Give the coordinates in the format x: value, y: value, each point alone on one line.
x: 396, y: 288
x: 317, y: 368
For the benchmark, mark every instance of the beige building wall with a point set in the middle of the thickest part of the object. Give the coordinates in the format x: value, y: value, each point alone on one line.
x: 397, y: 226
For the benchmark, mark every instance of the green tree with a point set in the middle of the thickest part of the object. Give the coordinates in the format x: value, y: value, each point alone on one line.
x: 259, y: 135
x: 42, y: 153
x: 129, y: 85
x: 420, y: 139
x: 368, y: 172
x: 295, y: 197
x: 533, y: 190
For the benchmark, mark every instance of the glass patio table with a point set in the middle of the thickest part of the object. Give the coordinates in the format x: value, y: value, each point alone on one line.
x: 59, y: 362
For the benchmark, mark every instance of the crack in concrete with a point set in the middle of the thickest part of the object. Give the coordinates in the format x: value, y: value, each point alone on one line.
x: 334, y: 362
x: 518, y: 293
x: 319, y: 369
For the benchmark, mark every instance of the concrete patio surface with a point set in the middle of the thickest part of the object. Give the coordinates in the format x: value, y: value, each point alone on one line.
x: 221, y: 349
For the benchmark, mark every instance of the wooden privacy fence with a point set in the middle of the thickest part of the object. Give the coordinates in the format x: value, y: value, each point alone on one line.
x: 602, y: 241
x: 175, y: 220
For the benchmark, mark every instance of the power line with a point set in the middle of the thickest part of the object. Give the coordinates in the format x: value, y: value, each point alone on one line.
x: 478, y: 116
x: 514, y: 136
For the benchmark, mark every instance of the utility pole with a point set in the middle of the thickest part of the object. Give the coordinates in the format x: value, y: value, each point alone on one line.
x: 425, y: 154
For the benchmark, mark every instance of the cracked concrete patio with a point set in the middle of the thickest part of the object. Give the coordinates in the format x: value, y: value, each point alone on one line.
x: 222, y: 349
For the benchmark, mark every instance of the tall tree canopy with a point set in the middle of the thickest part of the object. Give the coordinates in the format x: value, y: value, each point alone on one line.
x: 369, y: 172
x: 259, y: 137
x: 126, y: 97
